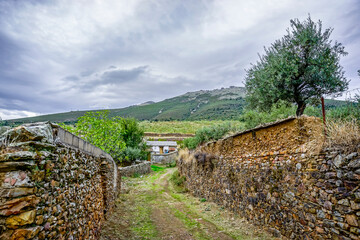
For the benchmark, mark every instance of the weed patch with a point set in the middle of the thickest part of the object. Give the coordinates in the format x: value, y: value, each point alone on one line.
x: 156, y: 168
x: 178, y: 182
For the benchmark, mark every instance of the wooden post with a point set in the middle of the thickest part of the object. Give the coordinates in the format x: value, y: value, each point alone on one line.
x: 323, y: 113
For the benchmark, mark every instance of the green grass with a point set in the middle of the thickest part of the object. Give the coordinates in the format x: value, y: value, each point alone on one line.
x: 157, y: 168
x: 144, y: 226
x: 189, y: 222
x: 178, y: 182
x: 184, y: 126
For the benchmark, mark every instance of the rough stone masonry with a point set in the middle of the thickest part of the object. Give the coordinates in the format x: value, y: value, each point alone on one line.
x: 268, y: 176
x: 53, y: 185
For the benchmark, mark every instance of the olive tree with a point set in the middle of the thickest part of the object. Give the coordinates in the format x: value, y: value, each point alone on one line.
x: 301, y: 66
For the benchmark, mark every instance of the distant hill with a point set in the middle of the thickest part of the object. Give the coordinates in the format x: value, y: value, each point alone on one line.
x: 218, y: 104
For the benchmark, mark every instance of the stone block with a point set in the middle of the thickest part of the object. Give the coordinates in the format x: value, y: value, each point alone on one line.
x: 30, y: 132
x: 25, y: 233
x: 11, y: 166
x: 81, y: 144
x: 21, y: 219
x: 17, y: 156
x: 61, y: 134
x: 97, y: 151
x: 15, y: 206
x: 75, y: 141
x: 68, y: 138
x: 16, y: 192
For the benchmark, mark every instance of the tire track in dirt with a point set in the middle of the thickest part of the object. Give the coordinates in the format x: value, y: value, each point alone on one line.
x: 209, y: 229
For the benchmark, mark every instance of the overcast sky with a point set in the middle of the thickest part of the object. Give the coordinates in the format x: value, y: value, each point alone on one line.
x: 58, y: 56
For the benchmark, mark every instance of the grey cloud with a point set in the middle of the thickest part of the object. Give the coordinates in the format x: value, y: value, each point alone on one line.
x: 121, y: 53
x: 122, y: 75
x: 71, y: 78
x: 86, y: 73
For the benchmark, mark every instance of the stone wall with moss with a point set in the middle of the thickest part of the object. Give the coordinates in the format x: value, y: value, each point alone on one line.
x: 269, y: 176
x: 53, y: 185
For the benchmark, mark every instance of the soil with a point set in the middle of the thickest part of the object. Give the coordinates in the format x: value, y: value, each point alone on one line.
x: 151, y: 207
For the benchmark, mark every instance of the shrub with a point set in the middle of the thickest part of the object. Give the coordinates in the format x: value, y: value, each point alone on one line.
x: 206, y: 134
x: 343, y: 133
x: 348, y: 112
x: 122, y: 138
x: 130, y: 154
x: 171, y: 164
x: 178, y: 182
x: 281, y: 110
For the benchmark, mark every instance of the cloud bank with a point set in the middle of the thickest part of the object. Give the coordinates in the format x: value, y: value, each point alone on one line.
x: 74, y: 55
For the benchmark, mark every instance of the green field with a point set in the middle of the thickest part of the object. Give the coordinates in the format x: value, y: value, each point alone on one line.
x: 184, y: 126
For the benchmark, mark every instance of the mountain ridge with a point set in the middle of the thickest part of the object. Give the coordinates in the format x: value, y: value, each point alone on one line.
x: 217, y: 104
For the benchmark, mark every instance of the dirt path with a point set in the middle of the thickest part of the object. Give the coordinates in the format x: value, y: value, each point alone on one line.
x: 151, y: 207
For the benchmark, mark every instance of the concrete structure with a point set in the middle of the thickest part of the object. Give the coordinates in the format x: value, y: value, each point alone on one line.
x: 160, y: 147
x: 164, y: 158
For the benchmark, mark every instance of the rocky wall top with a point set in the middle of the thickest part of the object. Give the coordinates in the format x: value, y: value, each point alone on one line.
x: 286, y: 136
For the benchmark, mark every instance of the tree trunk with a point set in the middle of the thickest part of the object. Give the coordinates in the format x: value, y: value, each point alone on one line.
x: 300, y: 109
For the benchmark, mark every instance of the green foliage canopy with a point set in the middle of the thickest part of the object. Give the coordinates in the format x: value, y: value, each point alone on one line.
x: 102, y: 131
x: 207, y: 134
x: 300, y: 67
x: 120, y: 137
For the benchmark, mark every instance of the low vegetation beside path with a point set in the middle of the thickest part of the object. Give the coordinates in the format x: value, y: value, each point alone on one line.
x: 157, y: 206
x: 184, y: 126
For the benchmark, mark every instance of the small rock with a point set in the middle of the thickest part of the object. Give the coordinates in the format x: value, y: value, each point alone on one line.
x: 320, y: 214
x: 13, y: 181
x: 339, y: 183
x: 289, y: 196
x: 354, y: 205
x: 352, y: 220
x: 344, y: 202
x: 354, y: 163
x: 275, y: 232
x: 328, y: 205
x: 351, y: 156
x: 319, y: 230
x: 329, y: 175
x: 355, y: 230
x: 47, y: 226
x: 338, y: 161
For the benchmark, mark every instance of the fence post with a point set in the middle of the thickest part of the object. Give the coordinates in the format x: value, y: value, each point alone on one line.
x: 323, y: 113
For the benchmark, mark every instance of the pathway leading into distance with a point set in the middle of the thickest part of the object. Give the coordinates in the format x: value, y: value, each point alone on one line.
x: 151, y: 207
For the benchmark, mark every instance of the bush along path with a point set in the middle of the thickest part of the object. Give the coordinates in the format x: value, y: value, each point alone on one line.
x: 156, y: 206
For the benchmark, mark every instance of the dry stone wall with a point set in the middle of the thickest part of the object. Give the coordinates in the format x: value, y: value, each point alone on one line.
x: 53, y: 185
x: 268, y: 176
x: 164, y: 158
x: 137, y: 169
